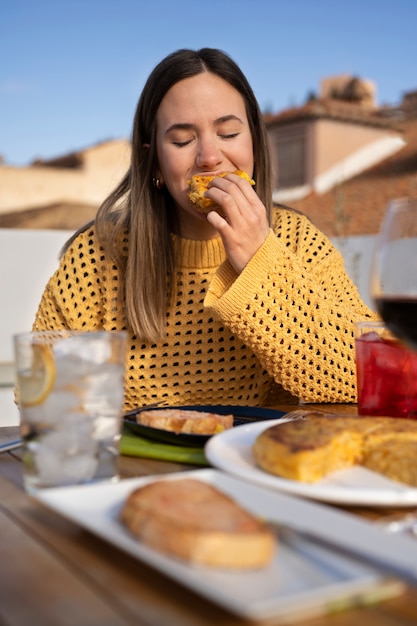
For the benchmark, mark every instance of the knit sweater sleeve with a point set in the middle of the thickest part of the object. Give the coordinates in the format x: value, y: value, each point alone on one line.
x: 295, y: 307
x: 75, y: 296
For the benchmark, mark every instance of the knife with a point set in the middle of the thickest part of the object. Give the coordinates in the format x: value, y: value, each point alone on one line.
x: 393, y: 554
x: 10, y: 445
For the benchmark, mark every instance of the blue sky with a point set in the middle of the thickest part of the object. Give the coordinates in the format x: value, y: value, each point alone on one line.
x: 71, y: 71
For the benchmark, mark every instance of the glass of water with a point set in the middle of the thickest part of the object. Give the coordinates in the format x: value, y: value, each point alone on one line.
x: 70, y: 396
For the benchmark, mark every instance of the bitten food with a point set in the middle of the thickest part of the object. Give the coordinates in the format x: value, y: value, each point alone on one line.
x: 395, y: 459
x: 198, y: 186
x: 194, y: 521
x: 308, y: 450
x: 185, y: 421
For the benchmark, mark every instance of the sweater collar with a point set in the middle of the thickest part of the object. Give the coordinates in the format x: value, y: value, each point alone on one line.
x: 200, y: 254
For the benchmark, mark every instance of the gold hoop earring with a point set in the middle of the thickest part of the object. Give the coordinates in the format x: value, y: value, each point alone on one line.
x: 157, y: 183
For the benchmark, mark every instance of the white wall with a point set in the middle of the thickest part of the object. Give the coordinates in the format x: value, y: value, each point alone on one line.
x: 357, y: 252
x: 27, y: 259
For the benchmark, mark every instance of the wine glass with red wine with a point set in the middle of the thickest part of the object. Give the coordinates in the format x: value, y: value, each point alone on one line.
x: 394, y: 270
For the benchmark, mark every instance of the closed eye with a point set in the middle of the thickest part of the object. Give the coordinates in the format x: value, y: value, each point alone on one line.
x: 229, y: 135
x: 181, y: 144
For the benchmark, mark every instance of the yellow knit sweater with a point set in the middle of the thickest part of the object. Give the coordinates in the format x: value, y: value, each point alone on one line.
x: 285, y: 324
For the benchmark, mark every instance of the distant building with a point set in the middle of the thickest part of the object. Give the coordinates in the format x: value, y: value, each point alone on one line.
x: 340, y: 159
x: 329, y: 139
x: 61, y: 193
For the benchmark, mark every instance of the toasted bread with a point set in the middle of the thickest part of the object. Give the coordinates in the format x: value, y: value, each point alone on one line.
x: 185, y: 421
x: 198, y: 186
x: 309, y: 449
x: 196, y: 522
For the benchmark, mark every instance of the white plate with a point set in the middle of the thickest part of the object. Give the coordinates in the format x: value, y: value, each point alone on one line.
x: 302, y: 580
x: 231, y: 451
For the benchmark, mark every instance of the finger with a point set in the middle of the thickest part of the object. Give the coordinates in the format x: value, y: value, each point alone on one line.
x: 216, y: 220
x: 221, y: 190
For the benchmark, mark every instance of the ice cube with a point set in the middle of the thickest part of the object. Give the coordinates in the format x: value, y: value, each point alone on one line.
x: 106, y: 428
x: 53, y: 469
x: 64, y: 457
x: 90, y: 347
x: 70, y: 370
x: 104, y: 392
x: 81, y: 467
x: 55, y: 407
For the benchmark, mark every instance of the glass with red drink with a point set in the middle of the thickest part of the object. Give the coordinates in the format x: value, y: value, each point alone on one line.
x: 386, y: 373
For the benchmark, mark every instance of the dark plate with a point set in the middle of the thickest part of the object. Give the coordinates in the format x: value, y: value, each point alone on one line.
x: 241, y: 414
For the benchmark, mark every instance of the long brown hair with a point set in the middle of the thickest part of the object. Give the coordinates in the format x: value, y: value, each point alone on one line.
x: 149, y: 214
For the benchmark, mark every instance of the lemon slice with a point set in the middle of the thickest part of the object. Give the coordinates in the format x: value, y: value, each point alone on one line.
x: 36, y: 383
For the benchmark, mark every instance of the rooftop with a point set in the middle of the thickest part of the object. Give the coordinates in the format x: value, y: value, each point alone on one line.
x: 356, y: 207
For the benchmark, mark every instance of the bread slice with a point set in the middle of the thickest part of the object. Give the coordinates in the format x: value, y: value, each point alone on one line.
x: 198, y: 186
x: 309, y: 449
x: 185, y: 421
x: 194, y: 521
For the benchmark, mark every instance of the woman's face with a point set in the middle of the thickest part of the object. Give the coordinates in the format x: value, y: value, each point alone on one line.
x: 202, y: 128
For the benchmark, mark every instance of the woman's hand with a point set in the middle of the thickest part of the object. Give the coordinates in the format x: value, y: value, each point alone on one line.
x: 245, y: 225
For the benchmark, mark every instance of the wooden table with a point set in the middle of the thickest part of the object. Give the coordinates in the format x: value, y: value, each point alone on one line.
x: 53, y: 573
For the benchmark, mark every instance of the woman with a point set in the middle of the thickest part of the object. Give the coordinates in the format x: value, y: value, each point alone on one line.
x: 249, y: 308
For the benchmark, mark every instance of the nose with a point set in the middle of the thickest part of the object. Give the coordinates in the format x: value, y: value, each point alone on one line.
x: 209, y: 155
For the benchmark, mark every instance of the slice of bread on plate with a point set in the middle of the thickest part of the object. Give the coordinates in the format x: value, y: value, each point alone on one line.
x: 194, y: 521
x: 185, y: 421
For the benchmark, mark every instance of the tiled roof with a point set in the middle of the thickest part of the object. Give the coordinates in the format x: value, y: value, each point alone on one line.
x: 330, y: 108
x: 65, y: 215
x: 358, y: 205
